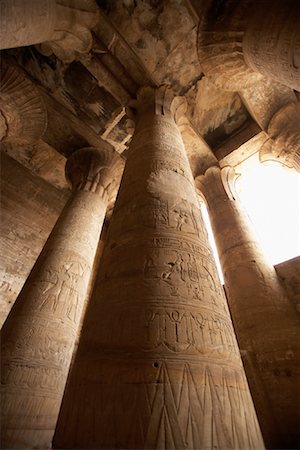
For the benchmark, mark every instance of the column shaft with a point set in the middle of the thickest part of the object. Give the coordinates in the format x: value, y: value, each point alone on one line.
x: 39, y: 334
x: 265, y: 322
x: 158, y: 365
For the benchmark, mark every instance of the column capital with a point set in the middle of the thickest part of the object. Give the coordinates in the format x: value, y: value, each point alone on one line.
x: 23, y: 116
x: 219, y: 45
x: 72, y: 30
x: 284, y: 133
x: 62, y: 27
x: 271, y: 43
x: 218, y: 180
x: 158, y: 100
x: 95, y: 170
x: 240, y: 42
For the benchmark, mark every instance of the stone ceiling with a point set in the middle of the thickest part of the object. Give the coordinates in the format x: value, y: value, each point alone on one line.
x: 135, y: 43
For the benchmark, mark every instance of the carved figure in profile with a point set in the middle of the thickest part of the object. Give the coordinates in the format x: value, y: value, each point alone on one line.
x: 62, y: 285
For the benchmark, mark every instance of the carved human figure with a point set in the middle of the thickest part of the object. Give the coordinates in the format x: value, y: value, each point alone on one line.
x: 62, y: 27
x: 38, y: 336
x: 156, y: 368
x: 266, y: 323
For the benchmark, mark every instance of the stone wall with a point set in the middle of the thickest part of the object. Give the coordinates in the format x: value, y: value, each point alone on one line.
x: 29, y: 209
x: 289, y: 272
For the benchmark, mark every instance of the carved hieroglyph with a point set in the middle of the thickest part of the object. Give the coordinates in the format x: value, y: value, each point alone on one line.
x: 38, y: 336
x: 23, y: 117
x: 62, y: 26
x: 158, y: 365
x: 271, y: 43
x: 284, y: 133
x: 266, y: 323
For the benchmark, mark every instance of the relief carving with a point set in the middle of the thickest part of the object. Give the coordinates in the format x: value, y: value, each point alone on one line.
x: 156, y: 319
x: 64, y: 283
x: 39, y: 335
x: 181, y: 331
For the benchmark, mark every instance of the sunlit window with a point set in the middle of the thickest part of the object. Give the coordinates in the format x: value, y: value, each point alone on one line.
x: 271, y: 196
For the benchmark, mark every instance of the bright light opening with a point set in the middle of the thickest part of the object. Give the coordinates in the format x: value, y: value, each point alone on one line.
x: 211, y: 239
x: 270, y: 195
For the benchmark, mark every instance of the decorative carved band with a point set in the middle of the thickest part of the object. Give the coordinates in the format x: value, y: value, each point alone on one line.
x: 23, y: 114
x: 219, y: 44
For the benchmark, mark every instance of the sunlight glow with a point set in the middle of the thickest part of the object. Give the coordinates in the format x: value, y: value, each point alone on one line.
x: 270, y: 195
x: 211, y: 239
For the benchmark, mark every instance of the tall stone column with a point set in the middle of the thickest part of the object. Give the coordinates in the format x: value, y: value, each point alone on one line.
x: 158, y: 365
x: 38, y: 336
x: 239, y: 42
x: 23, y: 116
x: 284, y: 132
x: 62, y: 26
x: 266, y: 323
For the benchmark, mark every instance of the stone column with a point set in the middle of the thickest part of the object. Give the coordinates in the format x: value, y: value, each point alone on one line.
x: 284, y: 132
x: 240, y: 42
x: 265, y: 321
x: 62, y: 26
x: 39, y: 334
x: 23, y: 116
x: 158, y: 365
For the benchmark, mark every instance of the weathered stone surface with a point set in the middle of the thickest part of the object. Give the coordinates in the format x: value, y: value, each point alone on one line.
x: 289, y: 273
x: 219, y: 43
x: 271, y: 44
x: 284, y: 133
x: 62, y: 26
x: 241, y: 41
x: 158, y: 365
x: 265, y: 321
x: 266, y: 98
x: 41, y: 159
x: 29, y: 210
x: 23, y: 117
x: 38, y: 337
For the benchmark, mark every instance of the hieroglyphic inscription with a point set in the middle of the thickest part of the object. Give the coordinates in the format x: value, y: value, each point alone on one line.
x: 157, y: 303
x: 39, y: 336
x: 187, y: 331
x: 64, y: 284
